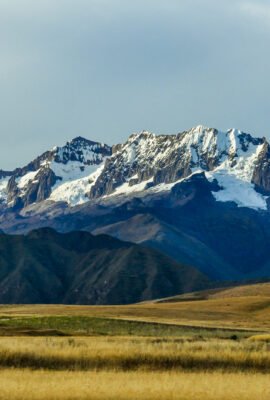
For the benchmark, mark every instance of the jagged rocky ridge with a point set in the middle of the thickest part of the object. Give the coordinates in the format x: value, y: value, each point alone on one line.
x: 168, y: 158
x: 35, y: 182
x: 201, y: 197
x: 238, y: 162
x: 83, y: 170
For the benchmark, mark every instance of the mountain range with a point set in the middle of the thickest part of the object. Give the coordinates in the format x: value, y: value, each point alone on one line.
x: 200, y: 197
x: 235, y: 162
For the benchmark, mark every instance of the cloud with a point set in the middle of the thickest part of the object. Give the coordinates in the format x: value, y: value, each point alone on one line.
x: 105, y: 68
x: 257, y: 10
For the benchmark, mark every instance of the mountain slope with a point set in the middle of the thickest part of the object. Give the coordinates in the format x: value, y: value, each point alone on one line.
x: 187, y: 223
x: 259, y: 290
x: 79, y: 268
x: 150, y: 231
x: 237, y: 163
x: 62, y: 173
x: 200, y: 196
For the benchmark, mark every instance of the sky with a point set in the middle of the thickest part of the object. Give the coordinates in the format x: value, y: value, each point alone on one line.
x: 104, y: 69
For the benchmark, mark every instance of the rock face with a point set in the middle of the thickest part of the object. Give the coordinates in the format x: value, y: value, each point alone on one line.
x: 261, y: 173
x: 201, y: 197
x: 237, y: 164
x: 148, y: 161
x: 34, y: 182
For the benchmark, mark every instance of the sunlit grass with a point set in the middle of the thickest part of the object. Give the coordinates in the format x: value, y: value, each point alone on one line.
x: 217, y: 349
x: 127, y: 354
x: 260, y: 338
x: 47, y: 385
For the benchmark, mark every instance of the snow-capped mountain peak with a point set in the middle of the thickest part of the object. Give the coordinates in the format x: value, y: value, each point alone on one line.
x: 38, y: 180
x: 155, y: 162
x: 146, y: 163
x: 82, y: 150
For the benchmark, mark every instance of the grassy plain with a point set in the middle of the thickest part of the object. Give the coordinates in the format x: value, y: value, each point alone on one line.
x: 208, y: 345
x: 246, y: 307
x: 135, y: 353
x: 139, y: 385
x: 133, y: 367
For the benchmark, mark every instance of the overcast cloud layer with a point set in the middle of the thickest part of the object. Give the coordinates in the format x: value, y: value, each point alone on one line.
x: 105, y: 68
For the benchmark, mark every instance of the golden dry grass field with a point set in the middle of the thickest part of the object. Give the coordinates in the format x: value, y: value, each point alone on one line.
x: 116, y: 368
x: 207, y: 345
x: 244, y: 307
x: 69, y: 385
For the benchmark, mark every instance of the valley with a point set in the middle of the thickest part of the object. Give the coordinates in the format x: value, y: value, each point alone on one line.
x: 201, y: 345
x: 245, y: 308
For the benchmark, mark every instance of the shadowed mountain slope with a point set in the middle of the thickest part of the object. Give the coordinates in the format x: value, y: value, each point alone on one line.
x: 79, y: 268
x: 202, y: 197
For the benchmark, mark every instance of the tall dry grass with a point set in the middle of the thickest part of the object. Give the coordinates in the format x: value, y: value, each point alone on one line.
x: 48, y: 385
x: 127, y: 354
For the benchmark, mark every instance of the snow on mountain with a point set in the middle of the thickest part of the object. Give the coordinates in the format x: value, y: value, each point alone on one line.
x: 61, y: 173
x: 237, y: 190
x: 3, y: 189
x: 152, y: 163
x: 23, y: 181
x: 77, y: 173
x: 145, y: 164
x: 74, y: 187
